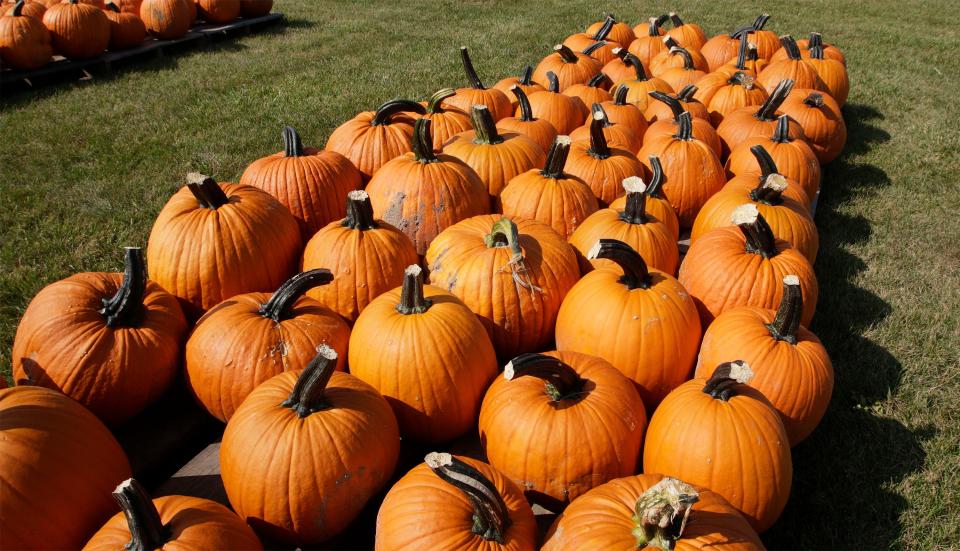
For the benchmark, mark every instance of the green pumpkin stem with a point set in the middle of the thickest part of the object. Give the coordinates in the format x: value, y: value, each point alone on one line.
x: 526, y: 77
x: 768, y: 110
x: 435, y: 103
x: 654, y: 24
x: 412, y: 300
x: 686, y: 93
x: 786, y: 323
x: 637, y: 65
x: 526, y: 110
x: 685, y: 54
x: 684, y: 127
x: 556, y: 158
x: 472, y: 76
x: 673, y: 103
x: 553, y: 83
x: 566, y: 54
x: 635, y: 210
x: 759, y: 236
x: 604, y: 29
x: 661, y: 514
x: 743, y: 79
x: 485, y: 128
x: 620, y: 95
x: 207, y: 191
x: 307, y: 396
x: 491, y: 517
x: 147, y: 531
x: 655, y: 187
x: 385, y: 112
x: 761, y: 21
x: 125, y: 307
x: 561, y: 381
x: 815, y: 99
x: 280, y: 305
x: 726, y: 378
x: 790, y: 45
x: 292, y: 145
x: 504, y: 233
x: 359, y: 212
x: 112, y: 7
x: 598, y: 141
x: 423, y: 142
x: 635, y: 272
x: 771, y: 183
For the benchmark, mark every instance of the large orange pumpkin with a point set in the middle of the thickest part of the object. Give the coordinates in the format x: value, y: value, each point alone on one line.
x: 744, y: 123
x: 373, y: 138
x: 564, y: 112
x: 561, y: 423
x: 167, y: 19
x: 512, y: 275
x: 126, y: 29
x: 640, y: 86
x: 470, y: 506
x: 446, y: 122
x: 619, y: 136
x: 640, y: 320
x: 794, y: 68
x: 306, y: 451
x: 669, y: 125
x: 25, y: 43
x: 721, y: 434
x: 477, y: 94
x: 78, y: 30
x: 689, y: 35
x: 569, y: 66
x: 249, y: 338
x: 58, y: 465
x: 541, y: 131
x: 649, y: 41
x: 110, y: 341
x: 218, y: 11
x: 524, y: 81
x: 428, y: 355
x: 656, y: 202
x: 819, y: 116
x: 602, y: 167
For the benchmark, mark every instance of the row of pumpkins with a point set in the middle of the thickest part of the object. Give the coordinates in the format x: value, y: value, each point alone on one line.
x: 32, y: 31
x: 539, y: 221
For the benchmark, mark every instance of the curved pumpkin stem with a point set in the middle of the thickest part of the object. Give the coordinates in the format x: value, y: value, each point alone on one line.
x: 635, y: 272
x: 124, y: 307
x: 562, y: 382
x: 423, y: 142
x: 743, y: 79
x: 604, y: 29
x: 760, y: 21
x: 485, y: 128
x: 815, y: 100
x: 359, y: 212
x: 526, y: 111
x: 412, y: 300
x: 781, y: 133
x: 566, y: 54
x: 675, y: 19
x: 594, y: 47
x: 621, y: 53
x: 435, y: 103
x: 556, y: 158
x: 620, y: 95
x: 112, y: 7
x: 491, y: 517
x: 684, y: 127
x: 653, y: 27
x: 504, y: 233
x: 726, y: 377
x: 687, y: 58
x: 280, y: 305
x: 670, y: 42
x: 635, y: 211
x: 207, y: 191
x: 472, y: 76
x: 526, y: 77
x: 292, y: 145
x: 637, y: 65
x: 147, y: 531
x: 686, y: 93
x: 307, y: 395
x: 662, y: 512
x: 598, y: 80
x: 790, y: 45
x: 598, y: 141
x: 18, y: 8
x: 768, y: 110
x: 385, y: 112
x: 553, y: 83
x: 655, y: 187
x: 759, y: 236
x: 771, y: 184
x: 673, y: 103
x: 787, y: 321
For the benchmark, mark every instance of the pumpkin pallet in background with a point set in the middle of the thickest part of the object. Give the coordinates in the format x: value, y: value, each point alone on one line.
x: 249, y: 338
x: 689, y: 35
x: 560, y: 424
x: 181, y: 522
x: 591, y: 92
x: 513, y: 276
x: 669, y: 125
x: 745, y: 123
x: 540, y: 131
x: 649, y: 41
x: 601, y: 166
x: 569, y: 66
x: 486, y: 513
x: 650, y: 511
x: 794, y: 68
x: 167, y: 19
x: 819, y: 116
x: 78, y: 30
x: 617, y: 136
x: 58, y: 465
x: 310, y: 182
x: 524, y: 81
x: 366, y: 256
x: 445, y: 122
x: 477, y: 94
x: 656, y: 203
x: 640, y: 85
x: 306, y: 450
x: 565, y: 113
x: 218, y: 11
x: 126, y: 29
x: 428, y: 355
x: 664, y: 110
x: 185, y: 254
x: 620, y: 111
x: 723, y: 435
x: 25, y: 43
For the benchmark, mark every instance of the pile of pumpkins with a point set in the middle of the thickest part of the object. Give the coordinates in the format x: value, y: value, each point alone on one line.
x: 559, y: 323
x: 32, y: 31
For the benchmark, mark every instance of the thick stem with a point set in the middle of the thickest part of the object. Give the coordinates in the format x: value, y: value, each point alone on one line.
x: 766, y: 162
x: 526, y: 77
x: 743, y: 79
x: 787, y: 321
x: 412, y: 300
x: 768, y: 110
x: 526, y: 111
x: 281, y: 303
x: 504, y: 233
x: 673, y: 103
x: 598, y: 141
x: 661, y: 514
x: 553, y: 83
x: 620, y: 95
x: 816, y: 45
x: 684, y: 127
x: 292, y: 145
x: 390, y: 108
x: 722, y: 384
x: 435, y: 104
x: 752, y: 53
x: 742, y: 52
x: 635, y: 272
x: 604, y: 29
x: 635, y: 211
x: 759, y: 236
x: 307, y: 395
x: 147, y: 531
x: 761, y: 20
x: 125, y: 307
x: 687, y: 58
x: 207, y: 191
x: 815, y: 99
x: 781, y: 133
x: 675, y: 19
x: 598, y: 80
x: 653, y: 28
x: 562, y: 382
x: 566, y: 54
x: 423, y: 142
x: 670, y: 42
x: 771, y: 184
x: 110, y: 6
x: 593, y: 47
x: 556, y: 158
x: 621, y: 53
x: 359, y: 212
x: 472, y: 77
x: 686, y: 93
x: 655, y: 187
x: 491, y: 517
x: 790, y: 45
x: 637, y: 65
x: 485, y: 128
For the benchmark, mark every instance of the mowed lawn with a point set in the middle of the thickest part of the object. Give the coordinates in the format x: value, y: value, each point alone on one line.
x: 84, y: 169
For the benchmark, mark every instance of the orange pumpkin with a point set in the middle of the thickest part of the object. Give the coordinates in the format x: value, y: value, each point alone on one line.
x: 591, y: 92
x: 678, y: 57
x: 436, y: 397
x: 477, y: 94
x: 218, y: 11
x: 749, y: 179
x: 649, y: 41
x: 57, y: 469
x: 656, y: 202
x: 78, y: 30
x: 373, y: 138
x: 746, y: 60
x: 689, y: 35
x: 512, y: 275
x: 744, y: 123
x: 540, y: 131
x: 129, y: 6
x: 664, y: 110
x: 618, y: 136
x: 691, y: 433
x: 24, y: 42
x: 109, y: 341
x: 833, y: 73
x: 541, y: 396
x: 487, y: 512
x: 565, y: 113
x: 278, y: 332
x: 723, y: 48
x: 792, y: 157
x: 601, y: 166
x: 621, y: 112
x: 819, y: 116
x: 255, y: 8
x: 792, y: 368
x: 794, y: 68
x: 126, y: 29
x: 305, y: 452
x: 829, y: 51
x: 619, y: 32
x: 602, y: 51
x: 31, y: 8
x: 167, y: 19
x: 640, y: 320
x: 723, y: 95
x: 639, y: 87
x: 617, y: 69
x: 767, y: 42
x: 524, y: 81
x: 447, y: 122
x: 668, y: 126
x: 569, y: 66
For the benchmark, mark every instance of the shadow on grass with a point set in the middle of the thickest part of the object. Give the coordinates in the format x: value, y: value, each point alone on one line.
x: 842, y: 473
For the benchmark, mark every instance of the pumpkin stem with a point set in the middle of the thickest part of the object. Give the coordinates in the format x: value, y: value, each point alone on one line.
x: 675, y: 19
x: 280, y: 305
x: 726, y: 377
x: 684, y: 127
x: 556, y: 158
x: 526, y: 111
x: 598, y: 80
x: 655, y: 187
x: 207, y: 191
x: 112, y: 7
x: 781, y: 134
x: 686, y: 93
x: 526, y: 77
x: 491, y: 517
x: 761, y: 21
x: 621, y: 53
x: 635, y: 272
x: 815, y: 100
x: 598, y: 141
x: 562, y: 382
x: 635, y: 211
x: 759, y: 236
x: 412, y: 300
x: 752, y: 53
x: 504, y: 233
x: 790, y: 45
x: 593, y: 47
x: 553, y: 83
x: 816, y: 46
x: 620, y: 95
x: 472, y: 76
x: 307, y: 394
x: 770, y: 188
x: 675, y: 106
x: 653, y: 28
x: 742, y: 52
x: 359, y: 212
x: 662, y: 512
x: 604, y: 29
x: 768, y: 110
x: 423, y: 142
x: 147, y: 531
x: 670, y: 42
x: 742, y: 79
x: 485, y: 129
x: 637, y: 65
x: 435, y: 103
x: 18, y: 8
x: 124, y: 307
x: 390, y: 108
x: 787, y: 321
x: 687, y: 58
x: 566, y: 54
x: 292, y: 145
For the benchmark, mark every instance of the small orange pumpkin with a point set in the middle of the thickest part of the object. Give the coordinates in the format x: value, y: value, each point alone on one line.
x: 723, y: 48
x: 524, y: 81
x: 656, y: 202
x: 218, y: 11
x: 819, y: 116
x: 791, y: 157
x: 619, y: 32
x: 448, y: 121
x: 168, y: 19
x: 668, y: 126
x: 569, y: 66
x: 616, y: 135
x: 477, y: 94
x: 723, y: 95
x: 25, y: 43
x: 746, y: 60
x: 639, y: 87
x: 677, y: 57
x: 598, y: 164
x: 541, y: 131
x: 689, y: 35
x: 565, y: 113
x: 744, y: 123
x: 829, y: 51
x: 374, y: 138
x: 664, y: 110
x: 621, y: 112
x: 591, y: 92
x: 617, y: 69
x: 126, y: 29
x: 747, y: 181
x: 833, y: 73
x: 685, y: 75
x: 78, y: 30
x: 794, y: 68
x: 649, y: 41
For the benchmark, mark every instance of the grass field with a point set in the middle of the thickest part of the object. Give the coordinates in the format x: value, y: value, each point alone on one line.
x: 84, y: 168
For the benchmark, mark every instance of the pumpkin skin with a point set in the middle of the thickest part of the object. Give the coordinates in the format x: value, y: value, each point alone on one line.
x: 78, y: 31
x: 724, y: 94
x: 421, y: 494
x: 591, y: 92
x: 619, y: 32
x: 724, y: 269
x: 658, y: 110
x: 477, y: 94
x: 114, y: 363
x: 218, y: 11
x: 617, y: 69
x: 565, y: 113
x: 792, y: 157
x: 678, y: 57
x: 366, y: 257
x: 617, y: 136
x: 569, y: 66
x: 129, y: 6
x: 167, y: 19
x: 744, y: 123
x: 421, y: 193
x: 656, y: 203
x: 524, y: 81
x: 42, y: 428
x: 329, y: 431
x: 185, y: 254
x: 639, y: 87
x: 621, y: 112
x: 255, y: 8
x: 445, y: 123
x: 31, y: 8
x: 603, y: 518
x: 126, y: 29
x: 540, y: 131
x: 373, y: 138
x: 792, y: 368
x: 723, y: 48
x: 409, y: 341
x: 249, y: 338
x: 795, y: 68
x: 689, y: 432
x: 584, y: 430
x: 311, y: 183
x: 513, y: 276
x: 601, y: 310
x: 602, y: 167
x: 689, y: 35
x: 668, y: 126
x: 822, y: 122
x: 25, y: 43
x: 649, y: 41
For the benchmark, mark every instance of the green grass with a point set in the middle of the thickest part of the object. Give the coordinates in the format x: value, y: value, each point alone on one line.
x: 84, y: 168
